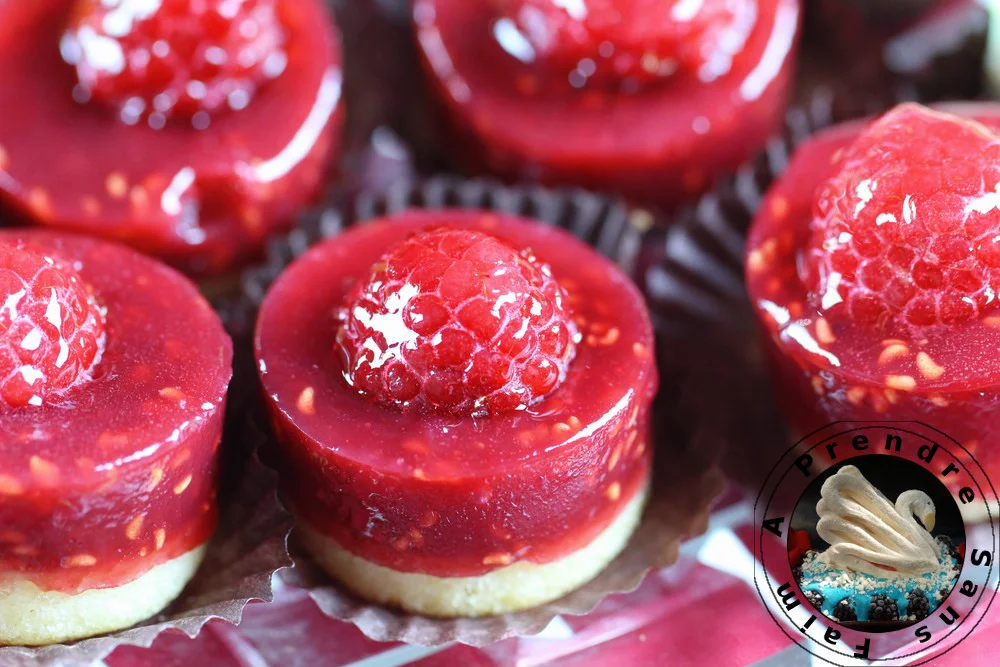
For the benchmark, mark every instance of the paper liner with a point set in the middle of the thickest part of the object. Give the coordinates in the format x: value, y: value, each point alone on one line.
x: 249, y: 546
x: 686, y: 479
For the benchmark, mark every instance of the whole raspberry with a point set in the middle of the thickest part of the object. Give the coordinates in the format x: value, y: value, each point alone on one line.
x: 629, y: 43
x: 161, y: 59
x: 51, y: 328
x: 458, y: 322
x: 908, y: 230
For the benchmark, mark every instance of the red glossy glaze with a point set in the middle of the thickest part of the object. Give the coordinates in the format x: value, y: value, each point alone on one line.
x: 661, y: 142
x: 455, y: 496
x: 119, y: 475
x: 854, y: 369
x: 200, y: 199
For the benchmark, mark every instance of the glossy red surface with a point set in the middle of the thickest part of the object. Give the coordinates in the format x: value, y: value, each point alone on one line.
x: 51, y: 328
x: 641, y: 143
x: 905, y: 230
x: 120, y: 475
x: 831, y: 369
x: 627, y: 45
x: 459, y: 496
x: 177, y: 57
x: 455, y: 321
x: 200, y: 199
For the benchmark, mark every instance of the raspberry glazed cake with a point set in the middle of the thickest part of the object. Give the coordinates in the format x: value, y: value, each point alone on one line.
x: 649, y: 98
x: 113, y: 377
x: 462, y: 402
x: 188, y: 130
x: 882, y: 569
x: 872, y: 265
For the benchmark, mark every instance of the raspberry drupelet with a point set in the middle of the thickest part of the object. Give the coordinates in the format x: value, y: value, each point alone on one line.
x: 462, y: 401
x: 874, y: 264
x: 51, y: 328
x: 113, y: 377
x: 459, y: 322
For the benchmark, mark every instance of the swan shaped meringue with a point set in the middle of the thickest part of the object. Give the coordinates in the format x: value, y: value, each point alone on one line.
x: 869, y: 534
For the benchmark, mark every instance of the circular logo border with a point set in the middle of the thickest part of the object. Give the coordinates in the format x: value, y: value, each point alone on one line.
x: 788, y: 462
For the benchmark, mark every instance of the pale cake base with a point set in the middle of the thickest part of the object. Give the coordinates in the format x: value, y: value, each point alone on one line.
x: 30, y: 616
x: 511, y: 588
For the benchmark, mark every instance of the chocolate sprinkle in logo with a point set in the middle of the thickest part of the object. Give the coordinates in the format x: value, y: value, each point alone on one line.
x: 876, y: 542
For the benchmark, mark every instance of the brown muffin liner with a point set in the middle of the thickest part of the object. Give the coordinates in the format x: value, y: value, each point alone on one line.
x: 685, y: 481
x: 249, y: 546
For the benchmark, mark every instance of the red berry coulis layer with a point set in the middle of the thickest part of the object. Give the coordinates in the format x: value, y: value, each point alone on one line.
x: 518, y: 463
x: 189, y: 130
x: 650, y: 99
x: 114, y: 472
x: 872, y: 265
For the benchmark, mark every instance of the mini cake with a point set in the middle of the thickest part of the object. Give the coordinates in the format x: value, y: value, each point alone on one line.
x: 882, y: 568
x: 462, y: 401
x: 113, y: 376
x: 652, y: 99
x: 872, y: 267
x: 188, y: 130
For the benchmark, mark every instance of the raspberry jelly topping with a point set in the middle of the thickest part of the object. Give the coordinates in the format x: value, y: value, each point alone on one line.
x: 625, y: 43
x: 908, y: 229
x: 51, y: 328
x: 457, y: 321
x: 184, y: 59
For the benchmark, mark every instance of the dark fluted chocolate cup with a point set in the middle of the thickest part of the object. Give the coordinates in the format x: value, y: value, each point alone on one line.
x: 685, y: 480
